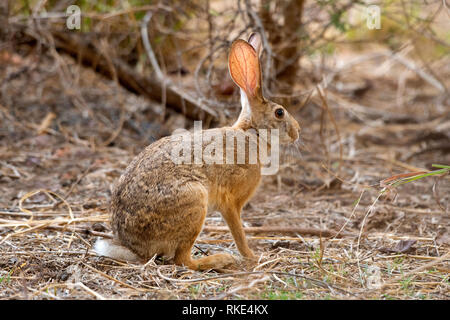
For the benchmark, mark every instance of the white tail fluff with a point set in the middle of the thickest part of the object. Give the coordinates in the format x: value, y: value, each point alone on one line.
x: 109, y: 248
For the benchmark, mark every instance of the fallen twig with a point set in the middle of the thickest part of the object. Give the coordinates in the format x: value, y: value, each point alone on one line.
x: 282, y: 230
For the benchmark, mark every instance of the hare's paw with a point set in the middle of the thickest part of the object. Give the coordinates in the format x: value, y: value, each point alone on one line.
x: 216, y: 261
x: 247, y: 262
x: 250, y: 256
x: 223, y: 260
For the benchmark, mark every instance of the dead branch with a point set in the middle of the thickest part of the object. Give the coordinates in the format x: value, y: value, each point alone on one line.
x: 77, y: 45
x: 282, y: 230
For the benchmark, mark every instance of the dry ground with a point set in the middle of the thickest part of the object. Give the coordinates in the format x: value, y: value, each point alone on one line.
x: 56, y: 180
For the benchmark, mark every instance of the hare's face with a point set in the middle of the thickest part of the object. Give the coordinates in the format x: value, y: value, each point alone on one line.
x: 245, y: 69
x: 270, y: 115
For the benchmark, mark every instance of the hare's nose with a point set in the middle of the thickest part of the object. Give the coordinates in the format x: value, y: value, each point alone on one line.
x: 294, y: 133
x: 294, y: 130
x: 297, y: 125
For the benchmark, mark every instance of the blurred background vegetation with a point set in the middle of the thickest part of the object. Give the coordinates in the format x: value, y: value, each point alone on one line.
x: 173, y: 54
x: 191, y: 38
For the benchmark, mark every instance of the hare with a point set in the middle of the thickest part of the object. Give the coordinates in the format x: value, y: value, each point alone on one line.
x: 158, y: 207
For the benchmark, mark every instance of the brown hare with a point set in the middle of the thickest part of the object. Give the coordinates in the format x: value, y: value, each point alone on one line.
x: 158, y: 206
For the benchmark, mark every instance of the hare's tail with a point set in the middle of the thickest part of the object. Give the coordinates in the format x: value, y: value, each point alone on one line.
x: 109, y: 248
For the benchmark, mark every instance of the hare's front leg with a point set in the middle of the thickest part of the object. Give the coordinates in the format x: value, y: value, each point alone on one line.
x: 232, y: 217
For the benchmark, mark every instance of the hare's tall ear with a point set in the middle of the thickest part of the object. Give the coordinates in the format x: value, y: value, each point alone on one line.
x: 245, y: 70
x: 255, y: 41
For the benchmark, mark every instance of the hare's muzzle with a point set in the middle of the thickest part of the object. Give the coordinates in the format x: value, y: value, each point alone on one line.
x: 294, y: 130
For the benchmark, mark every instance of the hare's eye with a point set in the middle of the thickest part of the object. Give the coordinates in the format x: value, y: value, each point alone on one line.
x: 279, y: 113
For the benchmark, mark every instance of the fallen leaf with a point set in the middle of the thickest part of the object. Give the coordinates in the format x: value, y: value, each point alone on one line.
x: 443, y: 236
x: 402, y: 246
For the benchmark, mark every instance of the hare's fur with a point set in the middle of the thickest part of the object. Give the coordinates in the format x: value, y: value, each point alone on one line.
x: 159, y: 207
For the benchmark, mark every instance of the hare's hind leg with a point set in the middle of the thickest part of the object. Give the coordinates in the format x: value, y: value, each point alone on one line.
x: 193, y: 217
x: 190, y: 234
x: 215, y: 261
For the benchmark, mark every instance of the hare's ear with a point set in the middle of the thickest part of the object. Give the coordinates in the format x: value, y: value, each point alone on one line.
x: 255, y: 41
x: 245, y: 70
